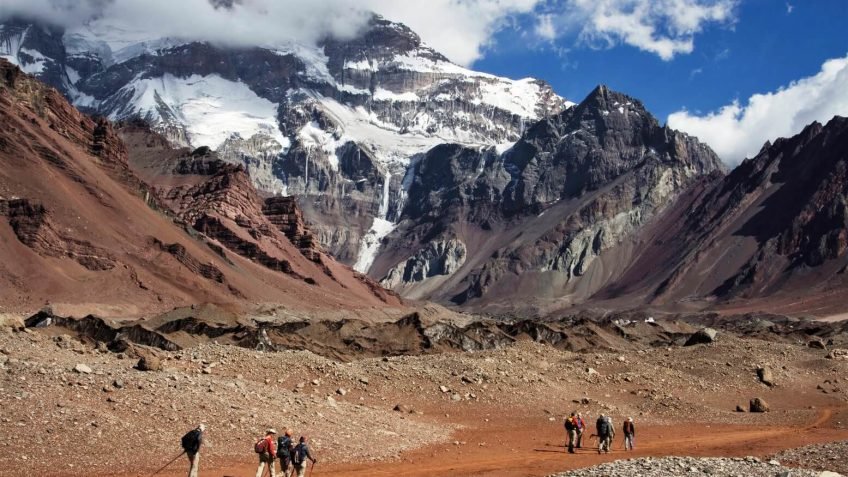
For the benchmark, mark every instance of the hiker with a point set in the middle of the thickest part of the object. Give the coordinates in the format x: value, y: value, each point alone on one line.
x: 265, y: 448
x: 581, y: 426
x: 191, y: 443
x: 603, y: 429
x: 611, y: 428
x: 300, y: 455
x: 629, y: 433
x: 285, y: 445
x: 571, y: 429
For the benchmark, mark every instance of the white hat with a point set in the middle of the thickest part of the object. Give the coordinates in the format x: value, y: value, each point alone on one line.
x: 271, y: 431
x: 201, y: 427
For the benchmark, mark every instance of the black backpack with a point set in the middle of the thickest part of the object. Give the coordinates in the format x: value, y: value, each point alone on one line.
x: 191, y: 441
x: 299, y: 454
x: 603, y: 427
x: 284, y: 448
x: 569, y: 424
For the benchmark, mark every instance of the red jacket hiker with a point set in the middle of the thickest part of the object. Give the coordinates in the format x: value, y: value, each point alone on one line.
x: 270, y: 445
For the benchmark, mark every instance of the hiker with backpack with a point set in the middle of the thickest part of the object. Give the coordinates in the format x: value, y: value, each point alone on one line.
x: 285, y: 446
x: 571, y: 429
x: 300, y: 457
x: 629, y: 433
x: 581, y: 426
x: 191, y: 442
x: 604, y: 433
x: 267, y: 453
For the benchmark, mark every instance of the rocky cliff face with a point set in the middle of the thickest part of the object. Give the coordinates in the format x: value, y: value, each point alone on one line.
x: 336, y: 125
x: 553, y: 217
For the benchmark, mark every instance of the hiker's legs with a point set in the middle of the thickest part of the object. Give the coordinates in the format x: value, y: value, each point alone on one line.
x: 628, y: 441
x: 301, y: 470
x: 572, y: 436
x: 284, y: 468
x: 194, y: 464
x: 579, y: 438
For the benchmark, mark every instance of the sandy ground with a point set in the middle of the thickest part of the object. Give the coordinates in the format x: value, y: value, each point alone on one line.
x: 529, y: 446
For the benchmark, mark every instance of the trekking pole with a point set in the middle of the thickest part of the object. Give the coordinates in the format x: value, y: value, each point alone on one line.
x: 169, y: 463
x: 311, y: 468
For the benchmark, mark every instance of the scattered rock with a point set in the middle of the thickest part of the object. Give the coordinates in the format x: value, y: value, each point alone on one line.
x: 758, y: 405
x: 740, y: 408
x: 82, y: 369
x: 838, y: 354
x: 816, y: 344
x: 341, y: 391
x: 149, y: 362
x: 765, y: 376
x: 444, y: 389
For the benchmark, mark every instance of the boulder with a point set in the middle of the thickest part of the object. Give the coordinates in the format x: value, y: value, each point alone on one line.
x: 816, y: 343
x: 765, y: 376
x: 702, y: 336
x: 758, y: 405
x: 82, y: 369
x: 838, y: 354
x: 740, y: 408
x: 11, y: 322
x: 148, y: 361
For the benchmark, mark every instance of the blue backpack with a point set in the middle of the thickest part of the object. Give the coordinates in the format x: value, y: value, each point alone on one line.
x: 299, y: 454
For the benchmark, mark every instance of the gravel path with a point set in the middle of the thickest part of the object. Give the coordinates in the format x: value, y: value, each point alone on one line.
x: 677, y: 466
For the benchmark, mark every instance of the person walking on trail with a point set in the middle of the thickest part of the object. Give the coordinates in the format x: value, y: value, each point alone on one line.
x: 301, y: 455
x: 629, y: 433
x: 581, y: 426
x: 571, y: 429
x: 285, y: 445
x: 191, y: 443
x: 604, y: 433
x: 611, y: 437
x: 267, y: 453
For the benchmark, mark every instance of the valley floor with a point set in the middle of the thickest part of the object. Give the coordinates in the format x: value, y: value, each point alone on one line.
x: 490, y: 413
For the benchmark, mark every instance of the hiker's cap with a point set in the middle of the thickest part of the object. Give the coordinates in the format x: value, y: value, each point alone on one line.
x: 201, y: 427
x: 271, y: 431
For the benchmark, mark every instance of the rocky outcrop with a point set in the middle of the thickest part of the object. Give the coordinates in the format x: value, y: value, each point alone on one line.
x: 438, y: 258
x: 32, y: 225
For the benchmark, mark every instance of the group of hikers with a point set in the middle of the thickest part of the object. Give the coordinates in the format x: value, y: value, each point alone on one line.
x: 293, y: 457
x: 575, y: 426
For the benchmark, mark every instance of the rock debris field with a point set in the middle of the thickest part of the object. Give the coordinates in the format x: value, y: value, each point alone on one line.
x: 66, y: 404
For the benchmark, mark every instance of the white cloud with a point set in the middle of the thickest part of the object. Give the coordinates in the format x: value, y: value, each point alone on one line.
x: 460, y: 29
x: 663, y: 27
x: 737, y: 131
x: 545, y: 28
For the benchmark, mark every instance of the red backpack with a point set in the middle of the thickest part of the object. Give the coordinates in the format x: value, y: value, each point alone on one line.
x: 261, y: 446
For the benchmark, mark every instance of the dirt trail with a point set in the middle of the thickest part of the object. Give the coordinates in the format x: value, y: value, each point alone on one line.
x: 522, y: 447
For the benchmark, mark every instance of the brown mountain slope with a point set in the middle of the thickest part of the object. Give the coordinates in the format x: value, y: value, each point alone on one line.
x: 770, y: 235
x: 78, y: 228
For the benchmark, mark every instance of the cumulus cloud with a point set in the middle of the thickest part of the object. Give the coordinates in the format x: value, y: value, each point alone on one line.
x: 459, y: 29
x: 231, y: 22
x: 737, y: 131
x: 664, y: 27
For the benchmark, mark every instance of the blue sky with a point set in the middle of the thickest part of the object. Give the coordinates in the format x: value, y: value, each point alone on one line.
x: 765, y: 48
x: 766, y: 45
